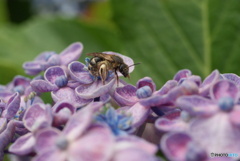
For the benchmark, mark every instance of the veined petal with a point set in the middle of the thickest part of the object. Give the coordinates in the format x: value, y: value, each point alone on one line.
x: 174, y: 145
x: 184, y: 73
x: 43, y: 86
x: 197, y: 105
x: 167, y: 87
x: 209, y: 82
x: 6, y: 137
x: 232, y: 77
x: 78, y: 123
x: 3, y: 124
x: 98, y: 144
x: 71, y: 53
x: 224, y: 88
x: 52, y: 73
x: 37, y: 116
x: 222, y: 136
x: 78, y: 72
x: 45, y: 140
x: 23, y: 145
x: 139, y: 114
x: 146, y: 81
x: 51, y: 155
x: 126, y: 95
x: 68, y: 94
x: 94, y: 90
x: 12, y: 106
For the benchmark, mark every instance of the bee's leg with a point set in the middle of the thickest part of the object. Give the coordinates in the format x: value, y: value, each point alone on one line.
x: 116, y: 76
x: 103, y: 73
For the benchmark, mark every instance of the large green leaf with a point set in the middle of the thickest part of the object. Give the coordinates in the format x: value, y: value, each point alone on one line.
x: 23, y: 43
x: 168, y: 35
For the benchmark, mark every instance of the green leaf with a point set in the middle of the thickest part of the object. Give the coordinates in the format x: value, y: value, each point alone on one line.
x: 169, y: 35
x: 23, y: 43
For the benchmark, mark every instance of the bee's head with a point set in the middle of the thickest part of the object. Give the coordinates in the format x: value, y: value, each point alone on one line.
x: 124, y: 69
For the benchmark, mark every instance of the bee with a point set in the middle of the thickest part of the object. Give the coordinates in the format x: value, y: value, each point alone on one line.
x: 100, y: 65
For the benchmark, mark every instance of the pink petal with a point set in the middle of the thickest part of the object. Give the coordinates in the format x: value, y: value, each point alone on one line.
x: 71, y: 53
x: 45, y: 139
x: 219, y: 134
x: 224, y: 88
x: 68, y: 94
x: 139, y: 114
x: 23, y: 145
x: 52, y: 73
x: 174, y: 145
x: 51, y: 155
x: 98, y: 144
x: 43, y: 86
x: 126, y: 96
x: 146, y: 81
x: 197, y: 105
x: 94, y: 90
x: 209, y: 82
x: 78, y: 72
x: 184, y: 73
x: 37, y: 116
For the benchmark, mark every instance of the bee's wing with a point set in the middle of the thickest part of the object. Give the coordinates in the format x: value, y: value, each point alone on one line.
x: 102, y: 55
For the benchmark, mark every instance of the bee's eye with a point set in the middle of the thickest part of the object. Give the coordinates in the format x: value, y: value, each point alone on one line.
x: 95, y: 60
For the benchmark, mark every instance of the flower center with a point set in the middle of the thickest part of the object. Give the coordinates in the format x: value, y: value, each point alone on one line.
x: 185, y: 116
x: 61, y: 81
x: 62, y: 143
x: 226, y: 104
x: 144, y: 92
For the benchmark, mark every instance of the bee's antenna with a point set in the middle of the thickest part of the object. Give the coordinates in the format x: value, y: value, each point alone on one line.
x: 134, y: 64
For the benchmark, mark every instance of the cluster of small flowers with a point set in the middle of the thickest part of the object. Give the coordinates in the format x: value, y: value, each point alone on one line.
x: 186, y: 119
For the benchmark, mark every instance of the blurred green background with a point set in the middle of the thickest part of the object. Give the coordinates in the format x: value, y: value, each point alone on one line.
x: 164, y: 35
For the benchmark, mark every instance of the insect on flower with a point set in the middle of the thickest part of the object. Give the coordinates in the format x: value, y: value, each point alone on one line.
x: 100, y: 64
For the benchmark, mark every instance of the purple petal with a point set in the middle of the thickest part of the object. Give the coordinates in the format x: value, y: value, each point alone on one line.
x: 6, y: 137
x: 32, y: 68
x: 146, y: 81
x: 139, y: 114
x: 71, y: 53
x: 94, y: 90
x: 133, y: 154
x: 224, y: 88
x: 167, y: 87
x: 20, y: 80
x: 209, y: 82
x: 127, y: 60
x: 51, y: 155
x: 78, y: 123
x: 3, y: 124
x: 68, y: 94
x: 53, y: 73
x: 125, y: 96
x: 78, y: 72
x: 197, y: 105
x: 98, y: 142
x: 171, y: 122
x: 184, y: 73
x: 23, y: 145
x: 45, y: 139
x: 62, y: 112
x: 37, y: 116
x: 234, y: 117
x: 174, y: 145
x: 124, y: 142
x: 222, y: 136
x: 43, y: 57
x: 12, y: 106
x: 43, y: 86
x: 232, y: 77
